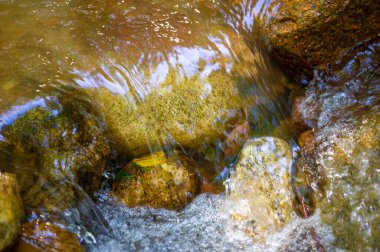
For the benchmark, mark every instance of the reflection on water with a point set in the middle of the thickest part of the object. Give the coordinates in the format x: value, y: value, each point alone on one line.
x: 153, y: 74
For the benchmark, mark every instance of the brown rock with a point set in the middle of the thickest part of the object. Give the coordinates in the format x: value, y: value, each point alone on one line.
x: 236, y: 139
x: 157, y: 181
x: 297, y: 112
x: 307, y: 141
x: 11, y: 209
x: 45, y: 236
x: 308, y: 178
x: 305, y: 34
x: 348, y: 147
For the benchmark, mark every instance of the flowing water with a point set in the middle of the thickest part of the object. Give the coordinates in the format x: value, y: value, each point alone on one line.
x: 119, y: 79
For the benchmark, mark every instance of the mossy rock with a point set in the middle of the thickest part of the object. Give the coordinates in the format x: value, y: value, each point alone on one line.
x: 186, y: 112
x: 11, y: 209
x: 58, y: 147
x: 157, y: 181
x: 179, y: 95
x: 259, y: 191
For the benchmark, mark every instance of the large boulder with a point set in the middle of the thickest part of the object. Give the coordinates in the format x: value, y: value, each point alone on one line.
x: 187, y: 113
x: 343, y: 108
x: 11, y: 209
x: 157, y: 181
x: 259, y: 191
x: 178, y: 89
x: 306, y: 34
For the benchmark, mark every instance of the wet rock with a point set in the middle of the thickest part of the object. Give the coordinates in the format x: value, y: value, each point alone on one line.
x: 157, y: 181
x: 307, y: 184
x: 55, y: 147
x: 190, y: 113
x: 307, y: 141
x: 307, y: 171
x: 236, y: 138
x: 345, y: 106
x: 46, y: 236
x: 306, y: 34
x: 351, y: 160
x: 11, y: 209
x: 286, y: 129
x: 175, y: 90
x: 296, y: 115
x: 259, y: 191
x: 352, y: 87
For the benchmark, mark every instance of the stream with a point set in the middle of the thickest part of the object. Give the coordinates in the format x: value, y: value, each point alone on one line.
x: 94, y: 93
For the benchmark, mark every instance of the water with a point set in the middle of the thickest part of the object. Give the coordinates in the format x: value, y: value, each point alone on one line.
x: 203, y: 225
x: 85, y: 86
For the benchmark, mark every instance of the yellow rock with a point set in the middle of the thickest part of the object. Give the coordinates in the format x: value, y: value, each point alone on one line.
x: 157, y: 181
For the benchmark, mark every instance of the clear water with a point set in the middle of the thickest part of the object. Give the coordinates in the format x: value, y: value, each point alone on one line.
x: 54, y: 53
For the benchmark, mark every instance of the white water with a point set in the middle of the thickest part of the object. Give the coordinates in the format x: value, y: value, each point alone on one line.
x: 201, y: 226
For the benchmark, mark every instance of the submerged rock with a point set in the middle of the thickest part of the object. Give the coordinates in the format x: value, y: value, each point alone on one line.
x: 344, y: 107
x: 351, y: 160
x: 259, y: 191
x: 181, y: 89
x: 50, y: 149
x: 157, y: 181
x: 306, y: 34
x: 190, y: 113
x: 11, y: 209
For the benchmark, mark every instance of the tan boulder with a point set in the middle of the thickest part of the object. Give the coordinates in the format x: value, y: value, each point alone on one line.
x: 180, y: 91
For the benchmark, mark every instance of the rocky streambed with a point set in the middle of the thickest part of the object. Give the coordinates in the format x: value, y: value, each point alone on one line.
x: 189, y: 126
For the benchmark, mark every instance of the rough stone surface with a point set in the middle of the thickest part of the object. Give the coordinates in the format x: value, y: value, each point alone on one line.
x: 259, y: 191
x: 344, y: 106
x: 11, y: 209
x: 189, y: 114
x: 305, y: 34
x: 157, y: 181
